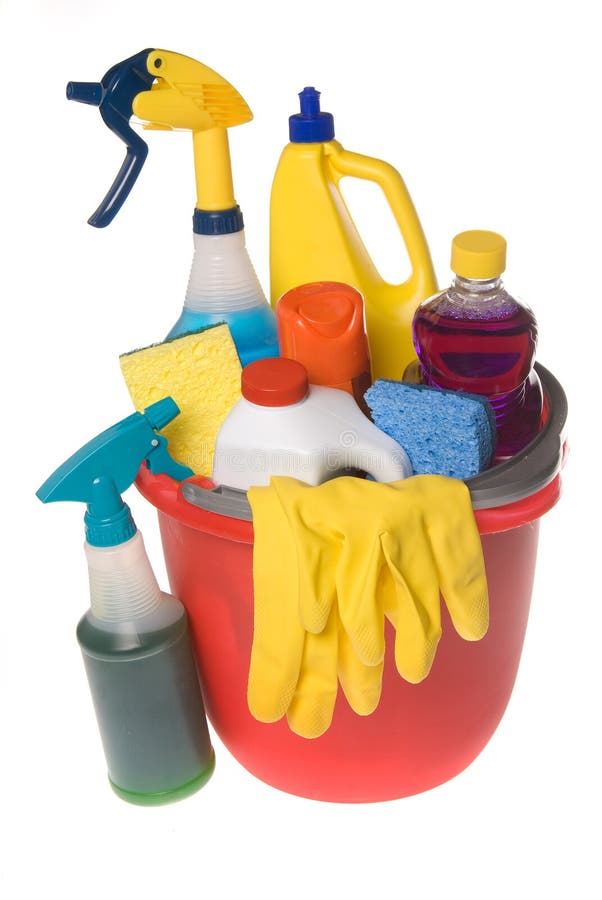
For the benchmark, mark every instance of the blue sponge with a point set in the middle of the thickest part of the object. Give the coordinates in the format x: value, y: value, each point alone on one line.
x: 443, y: 432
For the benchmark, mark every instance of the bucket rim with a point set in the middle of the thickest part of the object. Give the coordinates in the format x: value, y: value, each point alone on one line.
x: 537, y: 465
x: 515, y: 492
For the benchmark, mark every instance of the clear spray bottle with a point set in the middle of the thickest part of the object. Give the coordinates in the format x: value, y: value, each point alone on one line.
x: 168, y: 91
x: 134, y: 638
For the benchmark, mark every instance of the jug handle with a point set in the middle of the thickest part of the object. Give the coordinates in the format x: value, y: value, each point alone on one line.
x: 345, y: 162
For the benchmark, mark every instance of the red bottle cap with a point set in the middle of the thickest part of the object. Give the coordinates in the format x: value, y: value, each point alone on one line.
x: 322, y: 326
x: 274, y: 382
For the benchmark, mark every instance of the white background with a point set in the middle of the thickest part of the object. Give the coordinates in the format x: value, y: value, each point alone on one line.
x: 491, y: 112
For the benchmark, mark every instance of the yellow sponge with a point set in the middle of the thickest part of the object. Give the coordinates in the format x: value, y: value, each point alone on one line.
x: 201, y: 372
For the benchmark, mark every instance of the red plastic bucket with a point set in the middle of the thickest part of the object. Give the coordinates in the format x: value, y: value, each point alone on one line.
x: 420, y: 735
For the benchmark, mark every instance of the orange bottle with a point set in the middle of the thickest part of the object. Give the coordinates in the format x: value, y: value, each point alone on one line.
x: 322, y: 326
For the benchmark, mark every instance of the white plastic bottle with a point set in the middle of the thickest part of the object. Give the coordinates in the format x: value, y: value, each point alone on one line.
x: 284, y: 426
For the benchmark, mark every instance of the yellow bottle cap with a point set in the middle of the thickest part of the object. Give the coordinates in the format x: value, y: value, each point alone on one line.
x: 478, y: 254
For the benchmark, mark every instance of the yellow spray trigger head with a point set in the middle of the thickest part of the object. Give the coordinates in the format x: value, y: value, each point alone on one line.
x: 187, y: 94
x: 167, y: 91
x: 478, y: 254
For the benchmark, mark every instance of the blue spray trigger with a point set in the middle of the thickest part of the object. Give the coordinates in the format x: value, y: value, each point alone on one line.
x: 107, y: 465
x: 114, y: 96
x: 89, y: 92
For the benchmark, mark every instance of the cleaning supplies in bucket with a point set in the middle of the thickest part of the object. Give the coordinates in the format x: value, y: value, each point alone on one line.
x: 475, y: 337
x: 420, y: 735
x: 330, y: 563
x: 314, y: 238
x: 170, y: 91
x: 282, y: 425
x: 201, y: 372
x: 134, y: 639
x: 343, y: 565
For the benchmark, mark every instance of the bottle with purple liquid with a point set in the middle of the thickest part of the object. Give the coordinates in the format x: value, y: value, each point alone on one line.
x: 475, y: 337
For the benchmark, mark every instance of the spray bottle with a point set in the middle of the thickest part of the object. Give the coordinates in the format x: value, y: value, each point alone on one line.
x: 134, y: 638
x: 313, y: 237
x: 168, y: 91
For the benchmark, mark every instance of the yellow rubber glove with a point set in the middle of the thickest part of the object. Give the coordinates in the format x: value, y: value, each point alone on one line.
x: 388, y: 547
x: 362, y: 550
x: 293, y: 671
x: 326, y: 657
x: 278, y: 635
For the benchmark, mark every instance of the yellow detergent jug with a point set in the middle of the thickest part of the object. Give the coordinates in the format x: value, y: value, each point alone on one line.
x: 313, y: 237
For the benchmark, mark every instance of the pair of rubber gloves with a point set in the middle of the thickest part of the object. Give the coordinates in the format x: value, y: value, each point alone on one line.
x: 330, y: 563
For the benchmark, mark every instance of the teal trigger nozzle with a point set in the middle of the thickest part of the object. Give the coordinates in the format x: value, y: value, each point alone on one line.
x: 107, y: 465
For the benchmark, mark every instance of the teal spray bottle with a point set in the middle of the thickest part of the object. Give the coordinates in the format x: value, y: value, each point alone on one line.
x: 134, y: 638
x: 168, y: 91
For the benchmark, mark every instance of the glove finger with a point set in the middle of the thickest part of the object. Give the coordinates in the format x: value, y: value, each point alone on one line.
x: 310, y: 712
x: 316, y: 564
x: 458, y: 554
x: 411, y: 600
x: 360, y: 606
x: 278, y: 635
x: 361, y: 684
x: 317, y: 550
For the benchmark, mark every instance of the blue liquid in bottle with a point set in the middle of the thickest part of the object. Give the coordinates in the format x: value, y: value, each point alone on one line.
x: 253, y: 330
x: 223, y: 287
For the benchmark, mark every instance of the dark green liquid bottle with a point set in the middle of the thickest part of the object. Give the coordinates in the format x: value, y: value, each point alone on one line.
x: 134, y: 639
x: 149, y: 709
x: 143, y: 679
